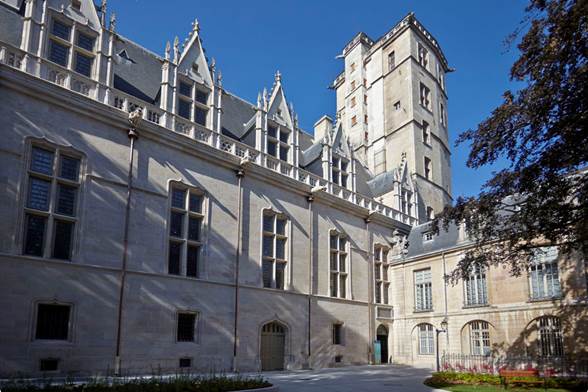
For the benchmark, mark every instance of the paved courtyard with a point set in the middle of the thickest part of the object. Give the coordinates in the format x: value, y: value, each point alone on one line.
x: 352, y: 379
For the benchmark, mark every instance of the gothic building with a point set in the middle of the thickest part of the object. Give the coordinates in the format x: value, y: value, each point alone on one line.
x: 152, y: 219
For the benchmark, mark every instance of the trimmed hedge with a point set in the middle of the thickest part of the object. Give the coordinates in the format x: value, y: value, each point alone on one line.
x: 446, y: 379
x: 213, y: 384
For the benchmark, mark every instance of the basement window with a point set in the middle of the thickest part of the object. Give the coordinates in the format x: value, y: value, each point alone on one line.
x: 49, y: 365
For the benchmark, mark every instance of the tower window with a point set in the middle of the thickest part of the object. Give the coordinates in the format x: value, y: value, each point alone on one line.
x: 391, y: 61
x: 353, y: 102
x: 423, y: 55
x: 426, y: 133
x: 425, y: 96
x: 428, y: 169
x: 442, y: 115
x: 397, y: 105
x: 353, y: 121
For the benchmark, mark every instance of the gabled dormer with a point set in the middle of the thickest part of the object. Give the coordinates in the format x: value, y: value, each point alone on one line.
x: 68, y: 36
x: 192, y: 62
x: 278, y: 110
x: 405, y: 191
x: 187, y: 86
x: 277, y: 132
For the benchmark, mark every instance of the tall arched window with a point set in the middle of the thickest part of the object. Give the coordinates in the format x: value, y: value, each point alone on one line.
x: 426, y: 339
x: 550, y: 337
x: 479, y: 338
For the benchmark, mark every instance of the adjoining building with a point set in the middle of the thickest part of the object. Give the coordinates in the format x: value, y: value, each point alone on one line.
x: 151, y: 219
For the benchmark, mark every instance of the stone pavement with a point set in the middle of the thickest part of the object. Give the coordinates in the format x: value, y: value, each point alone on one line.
x: 352, y: 379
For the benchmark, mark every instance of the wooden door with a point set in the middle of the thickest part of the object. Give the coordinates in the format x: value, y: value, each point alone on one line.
x: 273, y: 341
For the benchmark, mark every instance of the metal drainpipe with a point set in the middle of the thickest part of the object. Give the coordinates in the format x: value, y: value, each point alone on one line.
x: 240, y: 173
x: 370, y: 291
x: 134, y: 119
x: 310, y: 274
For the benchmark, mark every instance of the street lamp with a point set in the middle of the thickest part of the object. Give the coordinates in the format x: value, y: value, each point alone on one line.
x: 437, y: 332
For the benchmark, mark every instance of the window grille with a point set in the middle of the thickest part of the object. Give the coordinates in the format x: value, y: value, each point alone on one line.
x: 186, y: 327
x: 550, y: 337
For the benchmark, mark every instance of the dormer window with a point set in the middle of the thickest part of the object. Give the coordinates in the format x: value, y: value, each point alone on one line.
x: 185, y: 89
x: 76, y: 4
x: 277, y: 142
x: 339, y: 174
x: 192, y: 102
x: 62, y: 42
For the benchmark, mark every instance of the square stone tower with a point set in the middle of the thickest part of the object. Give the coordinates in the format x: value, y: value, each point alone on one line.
x: 392, y: 99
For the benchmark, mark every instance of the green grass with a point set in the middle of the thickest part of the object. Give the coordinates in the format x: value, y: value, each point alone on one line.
x: 465, y: 382
x: 493, y: 388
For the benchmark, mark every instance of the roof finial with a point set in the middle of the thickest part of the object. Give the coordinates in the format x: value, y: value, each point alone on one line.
x: 264, y: 97
x: 176, y: 49
x: 278, y: 76
x: 259, y: 100
x: 112, y: 21
x: 167, y: 50
x: 195, y: 26
x: 103, y: 12
x: 220, y: 78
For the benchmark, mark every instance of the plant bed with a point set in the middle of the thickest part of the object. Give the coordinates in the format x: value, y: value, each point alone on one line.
x: 178, y: 384
x: 465, y: 382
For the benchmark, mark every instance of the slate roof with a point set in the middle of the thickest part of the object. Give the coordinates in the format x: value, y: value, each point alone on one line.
x: 236, y: 113
x: 454, y: 236
x: 11, y: 22
x: 137, y: 71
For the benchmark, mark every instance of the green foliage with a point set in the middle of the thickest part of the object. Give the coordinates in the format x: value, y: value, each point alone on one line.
x: 487, y: 382
x: 540, y: 130
x: 176, y: 384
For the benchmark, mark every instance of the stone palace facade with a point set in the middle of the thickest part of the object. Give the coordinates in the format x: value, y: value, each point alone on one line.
x: 151, y: 219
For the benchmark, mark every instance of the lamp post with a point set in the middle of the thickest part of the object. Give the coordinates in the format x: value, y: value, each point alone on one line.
x: 437, y: 332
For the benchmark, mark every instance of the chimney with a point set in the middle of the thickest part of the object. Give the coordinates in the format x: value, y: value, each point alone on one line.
x: 323, y: 127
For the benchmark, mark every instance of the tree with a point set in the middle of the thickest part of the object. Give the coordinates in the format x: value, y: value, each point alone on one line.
x: 541, y: 198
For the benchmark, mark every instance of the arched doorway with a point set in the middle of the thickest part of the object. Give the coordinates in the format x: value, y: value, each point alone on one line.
x: 273, y: 346
x: 382, y: 337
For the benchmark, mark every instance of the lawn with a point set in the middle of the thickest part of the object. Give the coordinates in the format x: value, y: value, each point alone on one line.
x: 493, y: 388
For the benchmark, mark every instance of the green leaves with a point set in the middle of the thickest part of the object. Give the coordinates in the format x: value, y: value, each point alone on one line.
x: 542, y: 130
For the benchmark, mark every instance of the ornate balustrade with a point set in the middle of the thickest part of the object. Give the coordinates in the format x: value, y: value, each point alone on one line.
x: 66, y: 78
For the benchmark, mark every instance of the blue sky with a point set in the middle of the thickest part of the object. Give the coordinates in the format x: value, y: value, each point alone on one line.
x: 252, y: 39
